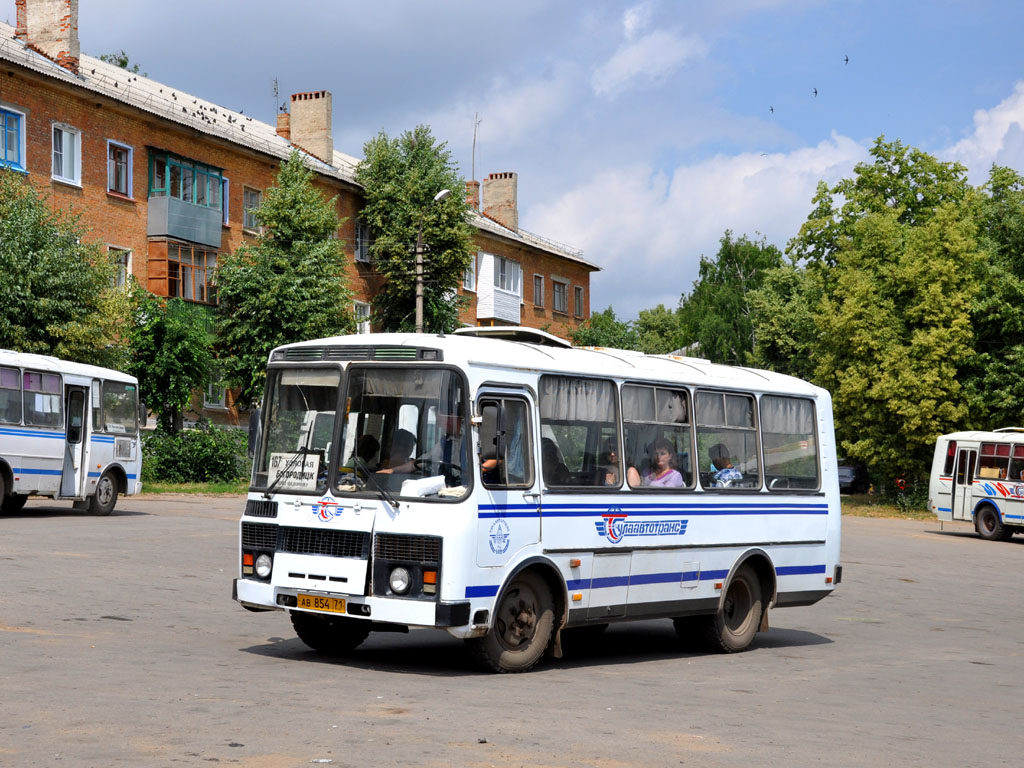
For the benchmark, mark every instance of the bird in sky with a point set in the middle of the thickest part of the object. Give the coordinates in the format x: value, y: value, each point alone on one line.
x: 815, y: 93
x: 771, y: 109
x: 846, y: 59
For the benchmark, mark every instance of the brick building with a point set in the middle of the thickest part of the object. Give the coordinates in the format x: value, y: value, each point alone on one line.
x: 167, y: 179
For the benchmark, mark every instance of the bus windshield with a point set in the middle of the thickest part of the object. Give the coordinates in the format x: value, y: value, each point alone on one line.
x: 300, y: 409
x: 406, y: 427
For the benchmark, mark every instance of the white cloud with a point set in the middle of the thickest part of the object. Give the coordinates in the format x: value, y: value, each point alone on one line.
x: 648, y: 231
x: 998, y: 137
x: 635, y: 20
x: 650, y: 58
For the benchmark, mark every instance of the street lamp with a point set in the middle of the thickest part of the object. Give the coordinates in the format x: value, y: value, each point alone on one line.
x: 419, y: 262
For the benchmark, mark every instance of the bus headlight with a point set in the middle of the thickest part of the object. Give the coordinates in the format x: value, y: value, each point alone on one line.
x: 264, y: 564
x: 399, y: 580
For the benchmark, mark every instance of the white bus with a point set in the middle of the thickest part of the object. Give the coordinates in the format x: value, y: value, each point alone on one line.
x: 505, y: 489
x: 979, y: 476
x: 67, y: 431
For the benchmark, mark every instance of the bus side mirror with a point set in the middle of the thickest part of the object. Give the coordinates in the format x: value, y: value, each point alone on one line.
x: 142, y: 414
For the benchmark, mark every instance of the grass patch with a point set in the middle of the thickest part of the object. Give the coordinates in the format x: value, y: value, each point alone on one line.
x: 238, y: 487
x: 865, y: 505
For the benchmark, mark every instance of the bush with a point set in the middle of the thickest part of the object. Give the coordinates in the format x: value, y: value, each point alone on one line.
x: 205, y: 454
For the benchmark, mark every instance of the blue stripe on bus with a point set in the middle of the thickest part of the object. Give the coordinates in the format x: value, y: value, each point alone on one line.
x: 672, y: 577
x: 32, y: 433
x: 945, y: 509
x: 487, y: 511
x: 97, y: 474
x: 1014, y: 517
x: 102, y: 439
x: 28, y: 471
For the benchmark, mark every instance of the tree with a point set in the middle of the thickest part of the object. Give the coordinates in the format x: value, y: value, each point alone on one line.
x: 57, y: 294
x: 604, y: 330
x: 400, y: 179
x: 659, y: 330
x: 287, y: 287
x: 716, y: 315
x: 170, y: 354
x: 121, y: 59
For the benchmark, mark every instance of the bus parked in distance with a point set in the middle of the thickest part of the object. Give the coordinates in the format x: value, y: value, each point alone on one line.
x: 67, y: 431
x: 979, y: 476
x: 503, y: 486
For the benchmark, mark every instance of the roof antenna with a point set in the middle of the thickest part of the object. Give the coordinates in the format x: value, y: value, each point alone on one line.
x: 276, y: 97
x: 476, y: 124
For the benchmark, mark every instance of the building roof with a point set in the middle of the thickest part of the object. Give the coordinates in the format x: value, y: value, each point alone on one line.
x: 172, y: 104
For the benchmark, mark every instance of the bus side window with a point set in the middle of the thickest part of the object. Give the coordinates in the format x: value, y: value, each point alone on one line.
x: 505, y: 460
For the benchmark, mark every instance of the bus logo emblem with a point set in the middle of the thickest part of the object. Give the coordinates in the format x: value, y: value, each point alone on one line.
x: 615, y: 526
x: 326, y: 509
x: 500, y: 536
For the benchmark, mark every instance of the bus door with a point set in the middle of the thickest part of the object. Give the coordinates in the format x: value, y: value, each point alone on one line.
x: 963, y: 484
x: 509, y: 499
x: 75, y: 400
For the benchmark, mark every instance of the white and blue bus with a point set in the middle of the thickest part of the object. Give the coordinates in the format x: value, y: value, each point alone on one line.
x: 67, y: 431
x: 979, y: 477
x: 503, y: 486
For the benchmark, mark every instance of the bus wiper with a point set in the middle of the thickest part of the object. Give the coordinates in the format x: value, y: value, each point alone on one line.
x: 381, y: 490
x: 299, y: 454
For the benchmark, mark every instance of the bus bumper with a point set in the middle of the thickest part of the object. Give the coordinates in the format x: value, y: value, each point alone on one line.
x: 256, y: 595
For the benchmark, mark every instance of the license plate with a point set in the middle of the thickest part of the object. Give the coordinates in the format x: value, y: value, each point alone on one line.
x: 321, y: 603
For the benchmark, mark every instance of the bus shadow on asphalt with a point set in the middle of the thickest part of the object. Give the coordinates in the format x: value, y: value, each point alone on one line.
x: 39, y: 513
x: 438, y: 654
x: 958, y: 534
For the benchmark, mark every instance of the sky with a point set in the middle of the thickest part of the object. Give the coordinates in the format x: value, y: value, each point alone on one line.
x: 640, y: 131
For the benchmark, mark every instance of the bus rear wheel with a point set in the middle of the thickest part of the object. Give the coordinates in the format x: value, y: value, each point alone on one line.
x: 989, y: 526
x: 522, y: 628
x: 102, y: 502
x: 13, y: 503
x: 329, y: 634
x: 732, y: 629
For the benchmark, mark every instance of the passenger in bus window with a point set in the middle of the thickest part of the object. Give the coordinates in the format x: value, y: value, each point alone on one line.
x: 401, y: 449
x: 366, y: 450
x: 662, y: 475
x: 723, y: 473
x: 608, y: 466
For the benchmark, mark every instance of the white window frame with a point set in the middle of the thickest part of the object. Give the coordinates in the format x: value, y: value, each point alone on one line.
x: 129, y: 188
x: 225, y: 188
x: 555, y: 284
x: 75, y: 135
x: 469, y: 275
x: 22, y: 164
x: 127, y: 265
x: 253, y: 225
x: 503, y: 275
x: 362, y: 313
x: 209, y: 400
x: 577, y: 300
x: 538, y: 301
x: 361, y: 249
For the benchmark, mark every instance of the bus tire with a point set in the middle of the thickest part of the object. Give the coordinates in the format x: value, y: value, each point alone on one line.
x: 102, y: 502
x: 732, y: 629
x: 13, y: 503
x: 329, y: 634
x: 522, y: 627
x: 989, y: 526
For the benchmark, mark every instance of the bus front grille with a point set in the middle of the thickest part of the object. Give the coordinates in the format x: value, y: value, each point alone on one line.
x: 259, y: 536
x: 261, y: 508
x: 418, y: 549
x: 308, y: 541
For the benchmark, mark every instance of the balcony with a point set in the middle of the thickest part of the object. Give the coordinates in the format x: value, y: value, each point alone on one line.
x: 171, y: 217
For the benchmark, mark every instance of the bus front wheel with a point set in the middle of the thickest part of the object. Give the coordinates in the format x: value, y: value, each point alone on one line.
x: 522, y: 628
x: 103, y: 501
x: 329, y: 634
x: 989, y: 526
x: 732, y: 629
x: 13, y: 503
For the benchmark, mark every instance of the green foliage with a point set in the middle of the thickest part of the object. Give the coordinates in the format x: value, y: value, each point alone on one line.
x: 400, y: 178
x: 660, y: 330
x: 209, y: 453
x: 170, y: 354
x: 288, y: 287
x: 604, y: 330
x: 716, y: 315
x: 122, y: 60
x: 57, y: 294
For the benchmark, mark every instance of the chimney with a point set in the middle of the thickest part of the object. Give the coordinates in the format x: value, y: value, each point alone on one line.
x: 284, y: 125
x: 311, y: 124
x: 500, y: 199
x: 473, y: 195
x: 50, y: 27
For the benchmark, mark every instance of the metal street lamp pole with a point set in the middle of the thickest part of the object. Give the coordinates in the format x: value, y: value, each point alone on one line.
x: 419, y: 263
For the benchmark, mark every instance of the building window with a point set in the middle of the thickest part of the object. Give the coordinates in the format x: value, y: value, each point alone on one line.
x: 561, y: 296
x: 538, y: 290
x: 67, y: 155
x: 577, y: 301
x: 251, y: 200
x: 363, y: 242
x: 362, y: 312
x: 225, y: 187
x: 215, y: 395
x: 123, y: 258
x: 119, y: 168
x: 469, y: 276
x: 186, y: 180
x: 507, y: 275
x: 189, y: 270
x: 12, y: 136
